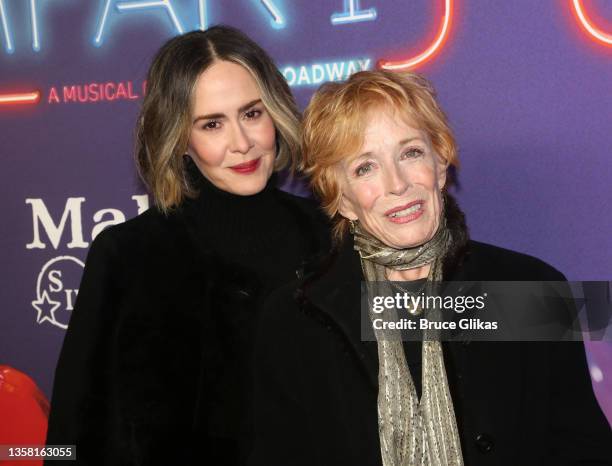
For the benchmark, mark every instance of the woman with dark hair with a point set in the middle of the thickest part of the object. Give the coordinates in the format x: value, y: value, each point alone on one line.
x: 378, y: 148
x: 155, y: 367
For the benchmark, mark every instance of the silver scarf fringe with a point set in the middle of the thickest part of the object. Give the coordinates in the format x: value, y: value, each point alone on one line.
x: 412, y: 432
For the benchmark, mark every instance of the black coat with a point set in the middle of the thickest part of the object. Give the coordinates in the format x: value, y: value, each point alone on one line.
x: 516, y: 403
x: 155, y: 364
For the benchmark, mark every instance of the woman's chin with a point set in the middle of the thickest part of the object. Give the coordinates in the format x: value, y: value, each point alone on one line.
x: 249, y: 185
x: 407, y: 242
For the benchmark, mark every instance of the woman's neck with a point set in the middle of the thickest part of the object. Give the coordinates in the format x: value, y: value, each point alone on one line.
x: 408, y: 275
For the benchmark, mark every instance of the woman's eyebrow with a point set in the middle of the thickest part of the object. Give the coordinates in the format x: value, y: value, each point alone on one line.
x: 210, y: 116
x: 410, y: 139
x: 364, y: 155
x: 248, y: 105
x: 217, y: 116
x: 400, y: 143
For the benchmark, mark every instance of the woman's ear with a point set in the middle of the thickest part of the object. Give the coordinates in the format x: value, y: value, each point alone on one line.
x: 346, y: 208
x: 442, y: 170
x: 188, y: 151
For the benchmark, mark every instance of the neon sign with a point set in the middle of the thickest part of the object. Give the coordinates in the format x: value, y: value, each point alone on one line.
x: 353, y: 14
x: 135, y: 6
x: 430, y: 51
x: 122, y: 6
x: 8, y: 41
x: 277, y: 22
x: 316, y: 73
x: 593, y: 31
x: 9, y: 47
x: 309, y: 74
x: 35, y: 35
x: 23, y: 98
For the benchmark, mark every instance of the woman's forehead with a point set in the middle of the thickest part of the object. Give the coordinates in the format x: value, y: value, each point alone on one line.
x: 390, y: 129
x: 224, y: 83
x: 391, y: 113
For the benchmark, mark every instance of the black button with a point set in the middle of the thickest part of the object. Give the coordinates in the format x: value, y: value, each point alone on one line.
x: 484, y: 443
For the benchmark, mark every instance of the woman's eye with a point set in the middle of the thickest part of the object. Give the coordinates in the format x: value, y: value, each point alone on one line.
x: 363, y: 169
x: 413, y: 153
x: 252, y: 114
x: 212, y: 125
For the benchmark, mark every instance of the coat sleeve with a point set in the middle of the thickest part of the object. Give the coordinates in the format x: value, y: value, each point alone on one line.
x: 581, y: 433
x: 128, y: 377
x: 81, y: 408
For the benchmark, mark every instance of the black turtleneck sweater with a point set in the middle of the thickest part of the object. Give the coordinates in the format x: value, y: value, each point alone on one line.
x: 259, y: 233
x: 264, y: 237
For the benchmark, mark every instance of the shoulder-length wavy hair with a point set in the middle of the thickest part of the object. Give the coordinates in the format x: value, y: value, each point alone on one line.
x: 336, y: 119
x: 164, y: 125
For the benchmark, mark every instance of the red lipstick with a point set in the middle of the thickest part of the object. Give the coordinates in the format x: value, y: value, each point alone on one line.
x: 247, y: 168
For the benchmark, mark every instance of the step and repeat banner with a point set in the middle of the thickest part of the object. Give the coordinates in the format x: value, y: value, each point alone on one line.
x: 526, y: 85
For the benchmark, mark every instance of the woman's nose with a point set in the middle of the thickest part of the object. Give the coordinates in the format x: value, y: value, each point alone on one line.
x: 240, y: 141
x: 396, y: 182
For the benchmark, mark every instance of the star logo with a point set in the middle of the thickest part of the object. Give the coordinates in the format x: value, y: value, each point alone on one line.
x: 46, y: 308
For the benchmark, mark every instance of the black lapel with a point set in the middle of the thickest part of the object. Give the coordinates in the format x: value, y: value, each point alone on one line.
x: 333, y: 296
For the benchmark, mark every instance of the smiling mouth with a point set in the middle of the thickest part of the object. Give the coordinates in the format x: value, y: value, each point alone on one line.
x: 406, y: 213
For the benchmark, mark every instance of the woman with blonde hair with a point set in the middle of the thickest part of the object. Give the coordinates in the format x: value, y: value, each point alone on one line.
x: 378, y: 149
x: 156, y: 364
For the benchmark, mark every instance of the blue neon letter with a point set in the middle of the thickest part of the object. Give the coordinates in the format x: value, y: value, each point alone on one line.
x: 123, y: 6
x: 35, y: 34
x: 203, y: 15
x: 277, y: 20
x: 8, y: 41
x: 352, y: 14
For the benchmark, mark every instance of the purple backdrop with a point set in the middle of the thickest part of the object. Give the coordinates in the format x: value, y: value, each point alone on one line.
x: 526, y: 88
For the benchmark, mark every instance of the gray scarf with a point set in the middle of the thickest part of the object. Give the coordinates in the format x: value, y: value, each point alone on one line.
x: 412, y: 432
